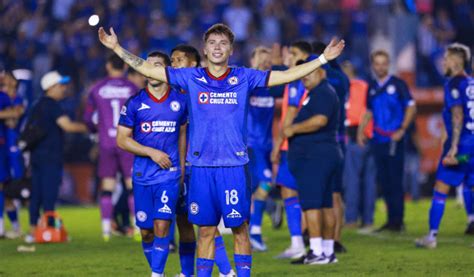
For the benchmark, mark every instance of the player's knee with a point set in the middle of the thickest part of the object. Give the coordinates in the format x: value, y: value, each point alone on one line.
x: 108, y: 184
x: 186, y: 230
x: 161, y: 228
x: 147, y: 235
x: 207, y: 233
x: 442, y: 187
x: 241, y: 235
x: 329, y: 218
x: 128, y: 183
x: 288, y: 193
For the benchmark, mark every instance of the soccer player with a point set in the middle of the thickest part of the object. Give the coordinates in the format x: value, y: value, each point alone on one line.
x: 292, y: 100
x: 259, y: 125
x: 152, y: 123
x: 218, y: 102
x: 458, y: 119
x: 183, y: 56
x: 105, y: 99
x: 339, y: 81
x: 391, y: 106
x: 314, y: 158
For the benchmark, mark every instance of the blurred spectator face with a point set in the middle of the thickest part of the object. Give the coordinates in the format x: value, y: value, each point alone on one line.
x: 157, y: 61
x: 452, y: 63
x: 181, y: 60
x: 313, y: 79
x: 348, y: 69
x: 380, y: 66
x: 57, y: 91
x: 218, y: 49
x: 10, y: 84
x: 295, y: 55
x: 262, y: 59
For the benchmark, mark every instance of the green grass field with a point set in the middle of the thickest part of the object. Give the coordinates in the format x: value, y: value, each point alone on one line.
x: 374, y: 255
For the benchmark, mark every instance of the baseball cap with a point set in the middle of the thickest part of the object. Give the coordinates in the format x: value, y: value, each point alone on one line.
x: 52, y: 78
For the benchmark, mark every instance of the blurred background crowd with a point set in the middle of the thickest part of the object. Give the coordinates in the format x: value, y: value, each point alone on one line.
x: 41, y: 35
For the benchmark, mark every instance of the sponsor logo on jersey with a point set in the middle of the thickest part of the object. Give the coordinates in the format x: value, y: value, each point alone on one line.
x: 240, y: 153
x: 141, y: 216
x: 372, y: 92
x: 194, y: 208
x: 470, y: 91
x: 175, y: 106
x: 306, y: 101
x: 262, y: 102
x: 233, y: 80
x: 202, y: 79
x: 267, y: 173
x: 165, y: 209
x: 293, y: 92
x: 143, y: 107
x: 455, y: 93
x: 203, y: 98
x: 114, y: 92
x: 145, y: 127
x: 234, y: 214
x: 391, y: 89
x: 123, y: 111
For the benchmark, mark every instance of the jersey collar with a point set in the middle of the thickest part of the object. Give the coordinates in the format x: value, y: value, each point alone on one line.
x: 384, y: 81
x: 220, y: 78
x: 163, y: 99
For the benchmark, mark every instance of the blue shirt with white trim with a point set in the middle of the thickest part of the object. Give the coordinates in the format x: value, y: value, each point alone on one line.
x: 218, y: 109
x: 155, y: 123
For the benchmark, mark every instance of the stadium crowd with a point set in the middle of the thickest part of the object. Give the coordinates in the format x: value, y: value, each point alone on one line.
x: 329, y: 113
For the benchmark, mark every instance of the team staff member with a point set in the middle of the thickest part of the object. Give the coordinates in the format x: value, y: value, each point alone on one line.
x: 391, y: 106
x: 314, y: 157
x: 47, y: 156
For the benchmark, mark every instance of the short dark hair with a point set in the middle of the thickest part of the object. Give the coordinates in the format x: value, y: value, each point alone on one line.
x: 318, y: 47
x: 116, y: 62
x: 303, y: 46
x: 379, y: 52
x: 190, y: 52
x: 462, y: 51
x: 162, y: 55
x: 220, y: 29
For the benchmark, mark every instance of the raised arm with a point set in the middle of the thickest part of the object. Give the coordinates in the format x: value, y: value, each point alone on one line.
x: 140, y: 65
x: 332, y: 51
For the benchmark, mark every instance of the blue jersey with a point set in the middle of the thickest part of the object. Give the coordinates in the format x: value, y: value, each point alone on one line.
x: 341, y: 85
x: 388, y: 102
x: 260, y: 119
x: 155, y: 124
x: 459, y: 91
x: 218, y: 112
x: 5, y: 102
x: 295, y: 93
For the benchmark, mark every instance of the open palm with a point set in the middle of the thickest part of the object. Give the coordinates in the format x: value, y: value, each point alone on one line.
x: 334, y: 49
x: 109, y: 41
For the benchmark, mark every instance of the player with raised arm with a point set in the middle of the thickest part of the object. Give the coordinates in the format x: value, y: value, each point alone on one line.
x: 218, y: 102
x: 457, y: 162
x: 104, y: 100
x: 183, y: 56
x: 152, y: 126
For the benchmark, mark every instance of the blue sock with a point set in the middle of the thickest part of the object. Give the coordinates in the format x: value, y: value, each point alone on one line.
x: 12, y: 215
x: 204, y: 267
x: 147, y: 250
x: 468, y: 204
x: 436, y: 211
x: 222, y: 261
x: 186, y: 257
x: 160, y: 254
x: 293, y: 215
x: 243, y: 264
x: 257, y: 215
x: 2, y: 203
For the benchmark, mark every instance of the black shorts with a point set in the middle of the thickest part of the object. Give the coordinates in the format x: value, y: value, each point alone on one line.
x: 316, y: 174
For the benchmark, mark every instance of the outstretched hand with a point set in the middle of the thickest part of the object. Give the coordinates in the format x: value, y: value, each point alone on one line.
x: 334, y: 49
x: 109, y: 41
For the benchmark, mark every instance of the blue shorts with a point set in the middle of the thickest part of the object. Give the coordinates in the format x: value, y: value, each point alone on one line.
x: 155, y: 202
x: 459, y: 174
x: 4, y: 166
x: 284, y: 177
x: 219, y: 192
x: 260, y: 166
x: 182, y: 206
x: 338, y: 183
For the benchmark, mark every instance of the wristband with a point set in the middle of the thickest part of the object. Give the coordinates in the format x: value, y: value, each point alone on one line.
x: 322, y: 59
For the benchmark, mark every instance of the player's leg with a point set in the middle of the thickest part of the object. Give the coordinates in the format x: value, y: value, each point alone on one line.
x: 369, y: 191
x: 50, y: 183
x: 222, y: 261
x: 203, y: 211
x: 468, y: 195
x: 396, y: 166
x: 35, y: 201
x: 107, y: 169
x: 234, y: 194
x: 126, y: 164
x: 3, y: 178
x: 2, y: 206
x: 12, y: 214
x: 380, y: 154
x: 353, y: 166
x: 165, y: 198
x: 144, y: 218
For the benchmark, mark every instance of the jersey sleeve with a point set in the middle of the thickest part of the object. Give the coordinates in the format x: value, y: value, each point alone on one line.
x: 257, y: 78
x: 295, y: 93
x: 452, y: 94
x: 56, y: 111
x: 184, y: 118
x: 322, y: 104
x: 407, y: 99
x: 127, y: 114
x: 178, y: 77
